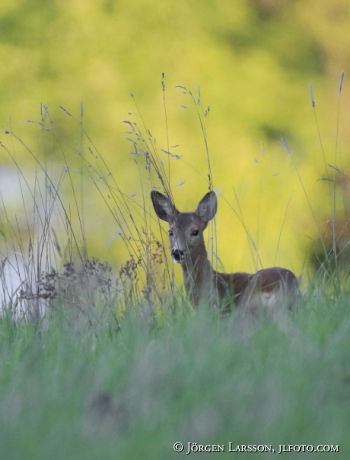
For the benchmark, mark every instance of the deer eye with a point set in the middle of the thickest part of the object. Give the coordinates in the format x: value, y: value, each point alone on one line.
x: 194, y: 233
x: 170, y: 233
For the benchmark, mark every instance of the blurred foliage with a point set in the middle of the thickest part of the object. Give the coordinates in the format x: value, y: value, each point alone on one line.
x: 253, y: 59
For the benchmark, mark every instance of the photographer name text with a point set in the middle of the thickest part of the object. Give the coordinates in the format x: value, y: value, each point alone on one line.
x: 193, y: 447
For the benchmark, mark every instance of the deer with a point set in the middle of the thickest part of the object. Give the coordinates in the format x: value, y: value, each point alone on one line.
x: 268, y: 287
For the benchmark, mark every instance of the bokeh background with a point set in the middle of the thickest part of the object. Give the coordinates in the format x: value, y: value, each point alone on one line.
x: 253, y: 61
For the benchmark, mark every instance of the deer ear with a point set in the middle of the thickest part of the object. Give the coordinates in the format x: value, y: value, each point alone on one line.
x: 207, y: 207
x: 163, y: 207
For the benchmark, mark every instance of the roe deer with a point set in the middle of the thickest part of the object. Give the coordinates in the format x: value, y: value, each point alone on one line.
x: 266, y: 287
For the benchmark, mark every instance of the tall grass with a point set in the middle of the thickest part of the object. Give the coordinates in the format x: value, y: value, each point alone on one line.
x: 80, y: 390
x: 103, y: 363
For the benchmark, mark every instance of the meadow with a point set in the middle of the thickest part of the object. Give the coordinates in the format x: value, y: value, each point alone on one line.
x: 104, y: 363
x: 81, y: 384
x: 101, y: 353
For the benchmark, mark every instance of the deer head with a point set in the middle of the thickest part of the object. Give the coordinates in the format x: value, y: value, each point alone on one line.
x: 186, y: 228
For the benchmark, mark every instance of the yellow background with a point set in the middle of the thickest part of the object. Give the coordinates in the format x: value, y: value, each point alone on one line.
x: 253, y: 61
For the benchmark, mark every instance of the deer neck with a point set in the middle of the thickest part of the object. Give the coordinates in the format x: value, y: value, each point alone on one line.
x: 199, y: 277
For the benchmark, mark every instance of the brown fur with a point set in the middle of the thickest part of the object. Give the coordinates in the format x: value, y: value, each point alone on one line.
x: 204, y: 283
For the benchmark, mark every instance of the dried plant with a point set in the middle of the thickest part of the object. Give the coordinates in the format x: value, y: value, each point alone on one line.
x: 87, y: 288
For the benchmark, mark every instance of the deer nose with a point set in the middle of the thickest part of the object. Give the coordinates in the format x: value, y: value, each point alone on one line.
x: 177, y: 255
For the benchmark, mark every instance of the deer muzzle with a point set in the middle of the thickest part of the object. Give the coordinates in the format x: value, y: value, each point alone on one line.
x: 178, y: 255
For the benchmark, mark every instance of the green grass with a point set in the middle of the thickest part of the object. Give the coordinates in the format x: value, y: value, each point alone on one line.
x: 197, y: 378
x: 96, y: 364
